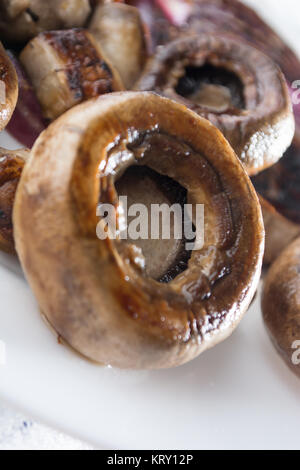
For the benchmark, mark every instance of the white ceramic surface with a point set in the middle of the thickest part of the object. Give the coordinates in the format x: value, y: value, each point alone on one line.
x: 238, y: 395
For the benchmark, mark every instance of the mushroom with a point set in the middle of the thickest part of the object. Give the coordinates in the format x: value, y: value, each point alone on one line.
x: 11, y: 166
x: 119, y: 31
x: 281, y: 304
x: 8, y: 88
x: 96, y: 293
x: 24, y: 19
x: 11, y: 162
x: 67, y: 67
x: 242, y: 22
x: 235, y: 86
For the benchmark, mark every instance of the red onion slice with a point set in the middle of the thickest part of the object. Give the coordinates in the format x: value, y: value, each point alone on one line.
x: 177, y: 11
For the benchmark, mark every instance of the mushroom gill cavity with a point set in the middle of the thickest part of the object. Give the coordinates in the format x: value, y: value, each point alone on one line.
x: 214, y: 88
x: 149, y: 196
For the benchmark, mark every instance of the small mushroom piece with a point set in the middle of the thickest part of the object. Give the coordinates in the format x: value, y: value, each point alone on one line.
x: 22, y: 20
x: 96, y: 293
x: 11, y: 166
x: 119, y: 31
x: 281, y: 305
x: 67, y: 67
x: 8, y: 88
x: 236, y: 87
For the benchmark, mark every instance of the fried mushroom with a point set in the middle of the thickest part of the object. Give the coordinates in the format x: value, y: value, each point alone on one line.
x: 281, y: 304
x: 95, y: 292
x: 11, y: 166
x: 236, y: 87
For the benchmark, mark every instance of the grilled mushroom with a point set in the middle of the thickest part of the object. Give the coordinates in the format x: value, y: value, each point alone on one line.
x: 281, y: 305
x: 119, y: 31
x: 24, y: 19
x: 11, y: 162
x: 66, y: 68
x: 96, y: 293
x: 233, y: 85
x: 11, y: 167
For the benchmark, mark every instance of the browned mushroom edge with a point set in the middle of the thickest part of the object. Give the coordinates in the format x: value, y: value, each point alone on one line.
x: 235, y: 86
x: 281, y: 304
x: 91, y: 291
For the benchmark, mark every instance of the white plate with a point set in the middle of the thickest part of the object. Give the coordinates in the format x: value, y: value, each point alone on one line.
x: 238, y: 395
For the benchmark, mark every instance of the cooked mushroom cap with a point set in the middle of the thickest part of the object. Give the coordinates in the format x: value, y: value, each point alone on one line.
x: 23, y: 19
x: 94, y: 292
x: 8, y: 88
x: 257, y: 119
x: 281, y: 304
x: 11, y: 166
x: 119, y: 30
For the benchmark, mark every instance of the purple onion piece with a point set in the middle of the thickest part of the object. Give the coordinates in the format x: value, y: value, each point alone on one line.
x: 27, y: 121
x: 157, y: 26
x: 176, y: 11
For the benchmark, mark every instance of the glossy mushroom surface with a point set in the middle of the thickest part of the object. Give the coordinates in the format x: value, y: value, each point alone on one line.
x: 281, y: 305
x: 236, y: 87
x: 95, y: 293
